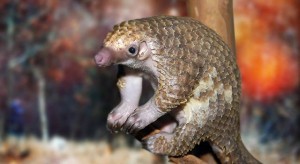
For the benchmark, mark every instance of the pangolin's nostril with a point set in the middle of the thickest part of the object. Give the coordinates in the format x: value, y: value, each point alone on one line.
x: 98, y: 58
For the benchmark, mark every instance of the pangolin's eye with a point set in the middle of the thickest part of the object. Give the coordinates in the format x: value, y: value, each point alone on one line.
x: 132, y: 50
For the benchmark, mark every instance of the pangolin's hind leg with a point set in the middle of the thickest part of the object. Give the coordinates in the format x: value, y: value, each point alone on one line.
x: 173, y: 143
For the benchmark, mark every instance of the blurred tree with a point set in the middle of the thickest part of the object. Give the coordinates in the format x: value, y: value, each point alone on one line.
x: 41, y: 102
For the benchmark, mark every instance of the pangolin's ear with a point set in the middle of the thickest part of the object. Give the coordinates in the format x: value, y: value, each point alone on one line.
x: 144, y: 51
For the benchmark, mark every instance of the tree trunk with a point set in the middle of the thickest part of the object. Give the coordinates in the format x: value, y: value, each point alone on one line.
x: 216, y: 14
x: 41, y: 103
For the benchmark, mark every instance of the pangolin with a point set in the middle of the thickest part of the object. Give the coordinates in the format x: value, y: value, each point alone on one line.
x: 196, y: 81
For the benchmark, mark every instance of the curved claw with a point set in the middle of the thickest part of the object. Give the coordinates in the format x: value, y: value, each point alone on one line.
x: 128, y: 124
x: 111, y: 121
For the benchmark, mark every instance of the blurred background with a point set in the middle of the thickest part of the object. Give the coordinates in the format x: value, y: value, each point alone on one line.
x: 54, y: 100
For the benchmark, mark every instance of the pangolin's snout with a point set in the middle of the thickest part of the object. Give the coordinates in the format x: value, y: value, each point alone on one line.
x: 103, y: 58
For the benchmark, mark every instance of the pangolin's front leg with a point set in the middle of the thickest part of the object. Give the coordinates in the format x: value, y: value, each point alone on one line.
x: 142, y: 117
x: 130, y: 87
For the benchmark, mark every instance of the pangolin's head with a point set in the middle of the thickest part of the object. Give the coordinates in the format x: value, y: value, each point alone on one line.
x: 125, y: 44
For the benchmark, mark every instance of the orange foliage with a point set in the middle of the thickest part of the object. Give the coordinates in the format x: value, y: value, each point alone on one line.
x: 63, y: 44
x: 267, y: 69
x: 56, y: 75
x: 267, y: 62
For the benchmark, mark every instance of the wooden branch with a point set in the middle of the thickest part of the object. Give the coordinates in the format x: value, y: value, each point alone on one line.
x: 216, y: 14
x: 191, y: 159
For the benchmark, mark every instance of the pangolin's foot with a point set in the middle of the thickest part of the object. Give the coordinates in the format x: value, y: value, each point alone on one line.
x: 117, y: 117
x: 159, y: 143
x: 142, y: 117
